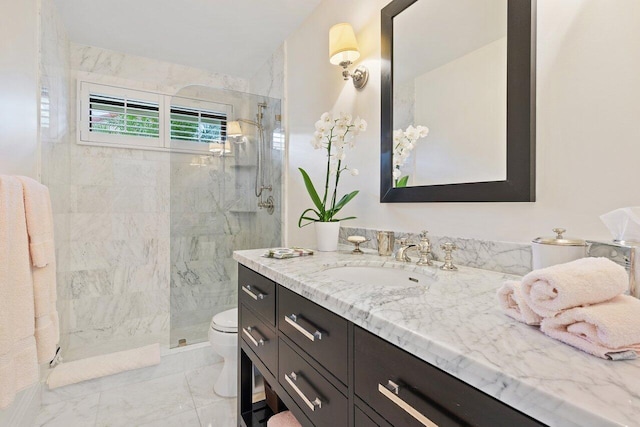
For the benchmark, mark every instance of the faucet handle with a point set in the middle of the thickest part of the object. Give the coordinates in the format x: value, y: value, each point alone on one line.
x: 448, y: 248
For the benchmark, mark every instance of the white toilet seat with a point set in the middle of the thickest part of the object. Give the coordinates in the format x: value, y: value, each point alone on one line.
x: 227, y: 321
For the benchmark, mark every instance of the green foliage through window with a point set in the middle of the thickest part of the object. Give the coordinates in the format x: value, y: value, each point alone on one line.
x: 188, y: 124
x: 123, y: 116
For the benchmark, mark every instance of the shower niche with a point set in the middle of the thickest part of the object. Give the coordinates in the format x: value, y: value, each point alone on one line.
x: 225, y: 195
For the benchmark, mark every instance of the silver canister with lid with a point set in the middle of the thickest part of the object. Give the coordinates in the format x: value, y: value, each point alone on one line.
x: 548, y: 251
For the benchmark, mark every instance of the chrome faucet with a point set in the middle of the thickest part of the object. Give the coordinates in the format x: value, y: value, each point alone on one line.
x: 401, y: 254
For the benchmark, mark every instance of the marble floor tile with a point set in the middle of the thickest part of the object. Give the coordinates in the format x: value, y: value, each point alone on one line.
x: 201, y: 383
x: 219, y: 414
x: 81, y: 411
x: 183, y: 419
x: 144, y: 402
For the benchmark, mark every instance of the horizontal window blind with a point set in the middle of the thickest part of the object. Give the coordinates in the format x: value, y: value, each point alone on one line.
x: 123, y: 116
x: 196, y: 125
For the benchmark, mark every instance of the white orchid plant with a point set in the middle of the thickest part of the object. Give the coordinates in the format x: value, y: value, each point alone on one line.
x: 333, y: 134
x: 403, y: 143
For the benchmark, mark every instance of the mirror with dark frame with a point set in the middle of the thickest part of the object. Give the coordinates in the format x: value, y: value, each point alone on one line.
x: 464, y: 69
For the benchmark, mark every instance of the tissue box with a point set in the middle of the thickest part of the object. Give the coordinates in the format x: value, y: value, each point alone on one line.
x: 625, y: 255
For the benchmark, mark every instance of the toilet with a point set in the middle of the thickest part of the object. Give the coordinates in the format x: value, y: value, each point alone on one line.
x: 223, y: 336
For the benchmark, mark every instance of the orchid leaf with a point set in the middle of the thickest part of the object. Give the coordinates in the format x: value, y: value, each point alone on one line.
x: 311, y: 220
x: 345, y: 219
x: 344, y: 200
x: 402, y: 182
x: 312, y: 192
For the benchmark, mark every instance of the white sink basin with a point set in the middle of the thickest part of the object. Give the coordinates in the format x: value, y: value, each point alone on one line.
x: 382, y: 276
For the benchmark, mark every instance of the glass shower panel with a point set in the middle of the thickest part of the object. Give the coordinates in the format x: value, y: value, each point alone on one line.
x: 214, y: 209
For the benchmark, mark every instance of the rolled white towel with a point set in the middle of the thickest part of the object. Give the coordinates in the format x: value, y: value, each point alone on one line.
x: 609, y: 330
x: 514, y: 306
x: 283, y: 419
x: 586, y: 281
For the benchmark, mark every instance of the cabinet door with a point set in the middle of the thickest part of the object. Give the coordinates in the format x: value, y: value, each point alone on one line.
x: 407, y: 391
x: 261, y: 339
x: 319, y: 332
x: 258, y: 293
x: 320, y: 401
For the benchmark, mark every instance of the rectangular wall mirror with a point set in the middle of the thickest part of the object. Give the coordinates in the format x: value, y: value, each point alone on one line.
x: 466, y: 70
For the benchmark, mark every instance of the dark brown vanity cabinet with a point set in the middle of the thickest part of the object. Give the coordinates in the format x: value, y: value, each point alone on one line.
x: 320, y: 333
x: 329, y: 372
x: 258, y: 294
x: 407, y: 391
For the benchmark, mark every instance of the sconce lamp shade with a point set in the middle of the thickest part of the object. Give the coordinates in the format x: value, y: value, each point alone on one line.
x: 343, y: 46
x: 233, y: 129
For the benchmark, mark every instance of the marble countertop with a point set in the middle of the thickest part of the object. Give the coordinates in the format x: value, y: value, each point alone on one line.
x: 455, y: 324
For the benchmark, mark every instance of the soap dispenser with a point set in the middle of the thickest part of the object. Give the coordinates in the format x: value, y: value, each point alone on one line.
x: 548, y: 251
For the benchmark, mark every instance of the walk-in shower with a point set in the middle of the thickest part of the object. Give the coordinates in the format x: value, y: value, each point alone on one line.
x: 144, y: 237
x: 220, y: 203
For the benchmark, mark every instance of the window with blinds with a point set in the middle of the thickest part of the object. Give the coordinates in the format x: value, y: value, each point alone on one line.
x: 123, y: 116
x: 197, y: 125
x: 113, y: 116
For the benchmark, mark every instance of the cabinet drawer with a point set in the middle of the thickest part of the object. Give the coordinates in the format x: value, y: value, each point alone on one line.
x: 363, y: 420
x: 320, y: 401
x: 410, y: 392
x: 260, y: 338
x: 258, y: 293
x: 322, y: 334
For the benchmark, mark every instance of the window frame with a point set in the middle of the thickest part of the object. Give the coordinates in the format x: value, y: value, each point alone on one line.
x: 85, y: 89
x: 180, y: 145
x: 86, y: 86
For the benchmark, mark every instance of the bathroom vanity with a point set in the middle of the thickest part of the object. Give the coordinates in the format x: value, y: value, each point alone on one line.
x: 433, y: 352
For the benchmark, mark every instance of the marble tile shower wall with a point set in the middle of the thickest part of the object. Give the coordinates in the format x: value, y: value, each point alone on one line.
x: 117, y: 281
x: 201, y: 234
x: 112, y: 209
x: 213, y: 212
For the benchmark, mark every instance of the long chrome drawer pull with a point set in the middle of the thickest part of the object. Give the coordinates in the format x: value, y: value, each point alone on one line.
x: 248, y: 332
x: 293, y: 320
x: 312, y: 404
x: 247, y: 290
x: 391, y: 390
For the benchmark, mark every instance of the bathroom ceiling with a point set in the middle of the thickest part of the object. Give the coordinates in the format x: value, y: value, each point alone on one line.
x: 232, y: 37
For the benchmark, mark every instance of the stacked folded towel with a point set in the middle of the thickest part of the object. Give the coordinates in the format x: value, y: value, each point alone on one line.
x: 512, y: 302
x: 579, y: 303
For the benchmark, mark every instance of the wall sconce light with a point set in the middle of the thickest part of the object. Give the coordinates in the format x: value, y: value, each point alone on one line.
x: 343, y: 51
x: 233, y: 129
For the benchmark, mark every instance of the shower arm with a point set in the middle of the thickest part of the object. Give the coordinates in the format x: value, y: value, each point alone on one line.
x: 251, y: 122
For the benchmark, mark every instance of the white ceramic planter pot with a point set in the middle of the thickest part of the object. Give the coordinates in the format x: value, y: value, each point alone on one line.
x: 327, y: 236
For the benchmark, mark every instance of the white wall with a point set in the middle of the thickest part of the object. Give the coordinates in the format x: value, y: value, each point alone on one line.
x: 588, y: 133
x: 19, y: 87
